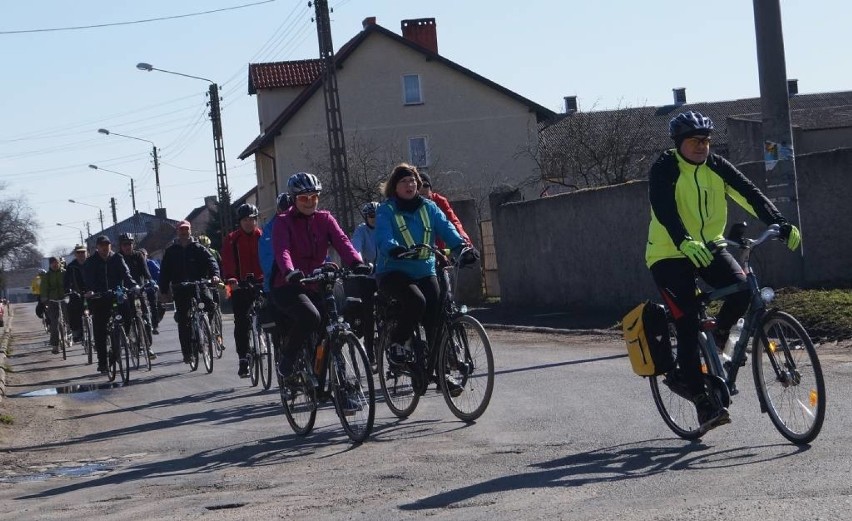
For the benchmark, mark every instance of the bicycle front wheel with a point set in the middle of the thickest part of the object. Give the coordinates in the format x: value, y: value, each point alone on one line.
x: 206, y: 342
x: 299, y: 400
x: 265, y: 358
x: 466, y: 368
x: 218, y: 335
x: 88, y: 338
x: 63, y: 336
x: 253, y: 357
x: 395, y: 380
x: 122, y: 355
x: 353, y: 388
x: 133, y: 340
x: 788, y: 377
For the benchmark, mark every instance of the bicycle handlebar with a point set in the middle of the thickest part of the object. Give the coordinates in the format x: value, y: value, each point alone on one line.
x: 415, y: 250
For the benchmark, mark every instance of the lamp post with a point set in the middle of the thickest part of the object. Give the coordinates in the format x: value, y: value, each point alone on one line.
x: 82, y: 241
x: 218, y: 146
x: 156, y: 160
x: 132, y: 186
x: 100, y: 212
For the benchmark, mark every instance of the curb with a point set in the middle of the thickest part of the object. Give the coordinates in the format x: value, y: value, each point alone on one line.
x: 4, y: 343
x: 552, y: 330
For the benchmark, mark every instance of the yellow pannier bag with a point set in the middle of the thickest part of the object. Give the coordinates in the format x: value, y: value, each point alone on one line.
x: 647, y: 337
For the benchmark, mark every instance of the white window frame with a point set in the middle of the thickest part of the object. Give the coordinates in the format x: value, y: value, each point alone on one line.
x: 411, y: 151
x: 405, y: 100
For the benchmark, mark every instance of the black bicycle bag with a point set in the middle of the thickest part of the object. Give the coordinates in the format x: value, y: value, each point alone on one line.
x: 647, y: 337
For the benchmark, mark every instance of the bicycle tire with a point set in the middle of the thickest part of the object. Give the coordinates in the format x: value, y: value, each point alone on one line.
x: 124, y: 357
x: 352, y: 387
x: 63, y: 334
x: 265, y: 359
x: 88, y: 338
x: 253, y: 357
x: 218, y: 332
x: 396, y: 381
x: 133, y: 341
x: 111, y: 364
x: 794, y: 398
x: 466, y: 356
x: 195, y: 347
x: 207, y: 343
x: 145, y: 344
x: 299, y: 400
x: 677, y: 410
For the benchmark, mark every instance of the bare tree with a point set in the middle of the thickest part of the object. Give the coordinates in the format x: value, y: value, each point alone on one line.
x: 28, y: 257
x: 17, y: 226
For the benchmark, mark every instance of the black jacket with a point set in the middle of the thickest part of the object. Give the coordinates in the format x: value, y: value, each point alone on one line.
x: 138, y: 267
x: 74, y: 280
x: 186, y: 264
x: 103, y: 275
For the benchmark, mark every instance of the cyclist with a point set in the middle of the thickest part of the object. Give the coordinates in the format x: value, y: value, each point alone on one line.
x: 139, y: 271
x: 364, y: 241
x: 104, y: 271
x: 300, y: 240
x: 687, y: 188
x: 152, y: 291
x: 76, y: 286
x: 35, y: 289
x: 264, y: 247
x: 239, y: 259
x: 186, y: 260
x: 444, y: 204
x: 53, y: 289
x: 205, y: 241
x: 406, y: 218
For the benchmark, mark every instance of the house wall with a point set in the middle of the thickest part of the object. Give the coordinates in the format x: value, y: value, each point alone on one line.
x: 270, y: 103
x: 474, y: 132
x: 587, y: 248
x: 745, y: 140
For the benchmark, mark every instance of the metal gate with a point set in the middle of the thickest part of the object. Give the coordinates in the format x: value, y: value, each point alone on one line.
x: 489, y: 260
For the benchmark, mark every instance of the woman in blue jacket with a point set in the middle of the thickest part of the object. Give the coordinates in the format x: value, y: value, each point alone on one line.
x: 402, y: 221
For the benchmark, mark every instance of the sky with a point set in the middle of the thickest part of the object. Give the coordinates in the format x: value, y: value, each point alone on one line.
x: 59, y: 87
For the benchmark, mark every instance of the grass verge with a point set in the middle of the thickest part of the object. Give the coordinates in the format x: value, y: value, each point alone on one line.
x: 825, y: 314
x: 6, y: 419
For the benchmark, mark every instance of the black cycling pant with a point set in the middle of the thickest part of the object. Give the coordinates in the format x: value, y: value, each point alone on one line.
x: 241, y: 302
x: 183, y: 302
x: 303, y: 310
x: 156, y: 307
x: 100, y: 309
x: 365, y: 289
x: 675, y: 279
x: 75, y: 313
x: 418, y: 302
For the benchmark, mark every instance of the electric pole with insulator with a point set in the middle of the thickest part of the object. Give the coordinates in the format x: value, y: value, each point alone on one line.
x: 336, y: 142
x: 221, y: 169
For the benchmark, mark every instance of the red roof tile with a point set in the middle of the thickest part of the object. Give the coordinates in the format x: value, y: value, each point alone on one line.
x: 298, y: 73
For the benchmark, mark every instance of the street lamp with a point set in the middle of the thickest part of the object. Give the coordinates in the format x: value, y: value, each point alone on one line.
x: 218, y: 146
x: 82, y: 241
x: 156, y: 160
x: 132, y: 186
x: 100, y: 212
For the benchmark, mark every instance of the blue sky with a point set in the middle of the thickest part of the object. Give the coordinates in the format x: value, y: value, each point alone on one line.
x: 59, y: 87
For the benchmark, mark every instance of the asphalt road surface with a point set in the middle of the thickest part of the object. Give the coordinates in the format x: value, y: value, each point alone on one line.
x: 570, y: 433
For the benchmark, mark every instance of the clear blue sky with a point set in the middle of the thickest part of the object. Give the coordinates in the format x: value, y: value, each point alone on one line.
x: 59, y: 87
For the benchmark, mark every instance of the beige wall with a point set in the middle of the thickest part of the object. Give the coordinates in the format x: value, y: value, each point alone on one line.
x: 270, y: 103
x: 474, y: 132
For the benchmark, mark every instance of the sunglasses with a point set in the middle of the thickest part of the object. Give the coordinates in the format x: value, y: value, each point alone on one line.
x: 305, y: 198
x: 696, y: 141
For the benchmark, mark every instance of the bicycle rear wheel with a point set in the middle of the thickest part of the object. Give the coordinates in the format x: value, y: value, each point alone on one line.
x: 353, y: 388
x: 788, y: 377
x: 395, y: 380
x: 673, y: 401
x: 299, y: 399
x: 466, y: 359
x: 265, y: 358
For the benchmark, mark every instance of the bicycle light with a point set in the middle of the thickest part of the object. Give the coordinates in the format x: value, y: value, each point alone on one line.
x: 767, y: 294
x: 463, y: 309
x: 201, y: 305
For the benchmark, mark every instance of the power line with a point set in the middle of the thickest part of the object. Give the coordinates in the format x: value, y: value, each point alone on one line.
x: 113, y: 24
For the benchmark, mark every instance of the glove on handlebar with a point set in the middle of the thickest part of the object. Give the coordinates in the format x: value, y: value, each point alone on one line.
x: 791, y: 235
x: 696, y: 252
x: 295, y: 277
x: 359, y: 268
x: 397, y: 252
x: 469, y: 257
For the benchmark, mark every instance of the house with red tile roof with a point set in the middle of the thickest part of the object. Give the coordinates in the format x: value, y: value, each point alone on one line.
x: 400, y: 101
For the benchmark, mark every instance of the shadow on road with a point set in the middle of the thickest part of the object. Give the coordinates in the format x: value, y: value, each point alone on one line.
x: 560, y: 364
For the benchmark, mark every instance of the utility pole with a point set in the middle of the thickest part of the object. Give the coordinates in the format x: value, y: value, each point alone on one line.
x: 114, y: 214
x: 133, y: 195
x: 334, y: 120
x: 779, y: 156
x: 88, y: 230
x: 157, y: 178
x: 221, y: 169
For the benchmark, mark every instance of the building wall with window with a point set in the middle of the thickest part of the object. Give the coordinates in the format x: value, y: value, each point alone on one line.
x: 465, y: 134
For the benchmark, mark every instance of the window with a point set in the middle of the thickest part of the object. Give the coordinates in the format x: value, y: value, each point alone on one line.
x: 411, y: 94
x: 418, y: 152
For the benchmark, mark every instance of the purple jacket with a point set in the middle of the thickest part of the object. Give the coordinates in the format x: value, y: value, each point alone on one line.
x: 300, y: 242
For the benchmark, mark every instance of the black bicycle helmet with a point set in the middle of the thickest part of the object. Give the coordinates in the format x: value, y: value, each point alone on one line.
x: 369, y: 209
x: 284, y: 201
x: 126, y: 237
x: 688, y: 124
x: 246, y: 210
x: 303, y: 183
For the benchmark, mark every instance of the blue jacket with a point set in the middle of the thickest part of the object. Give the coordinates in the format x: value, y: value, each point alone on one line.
x: 364, y: 240
x: 154, y: 268
x: 388, y: 237
x: 264, y: 253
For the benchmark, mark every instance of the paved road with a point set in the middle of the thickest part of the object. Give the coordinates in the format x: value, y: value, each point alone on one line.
x: 571, y: 434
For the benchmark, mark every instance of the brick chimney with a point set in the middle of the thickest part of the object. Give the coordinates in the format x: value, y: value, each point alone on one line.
x: 679, y: 96
x: 370, y: 20
x: 421, y: 31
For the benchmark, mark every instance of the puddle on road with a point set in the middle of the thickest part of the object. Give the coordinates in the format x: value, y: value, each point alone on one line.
x: 67, y: 389
x: 79, y: 471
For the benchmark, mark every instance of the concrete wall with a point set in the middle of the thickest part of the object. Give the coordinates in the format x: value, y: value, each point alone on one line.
x: 586, y: 249
x: 469, y: 287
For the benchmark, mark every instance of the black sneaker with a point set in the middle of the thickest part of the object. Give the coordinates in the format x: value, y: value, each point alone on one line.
x: 151, y: 354
x: 677, y: 384
x: 186, y: 359
x: 243, y: 371
x: 155, y: 331
x: 453, y: 387
x: 710, y: 415
x: 102, y: 369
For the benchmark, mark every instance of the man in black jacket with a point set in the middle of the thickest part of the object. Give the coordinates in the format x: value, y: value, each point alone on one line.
x: 187, y: 261
x: 76, y: 286
x: 138, y: 267
x: 104, y: 271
